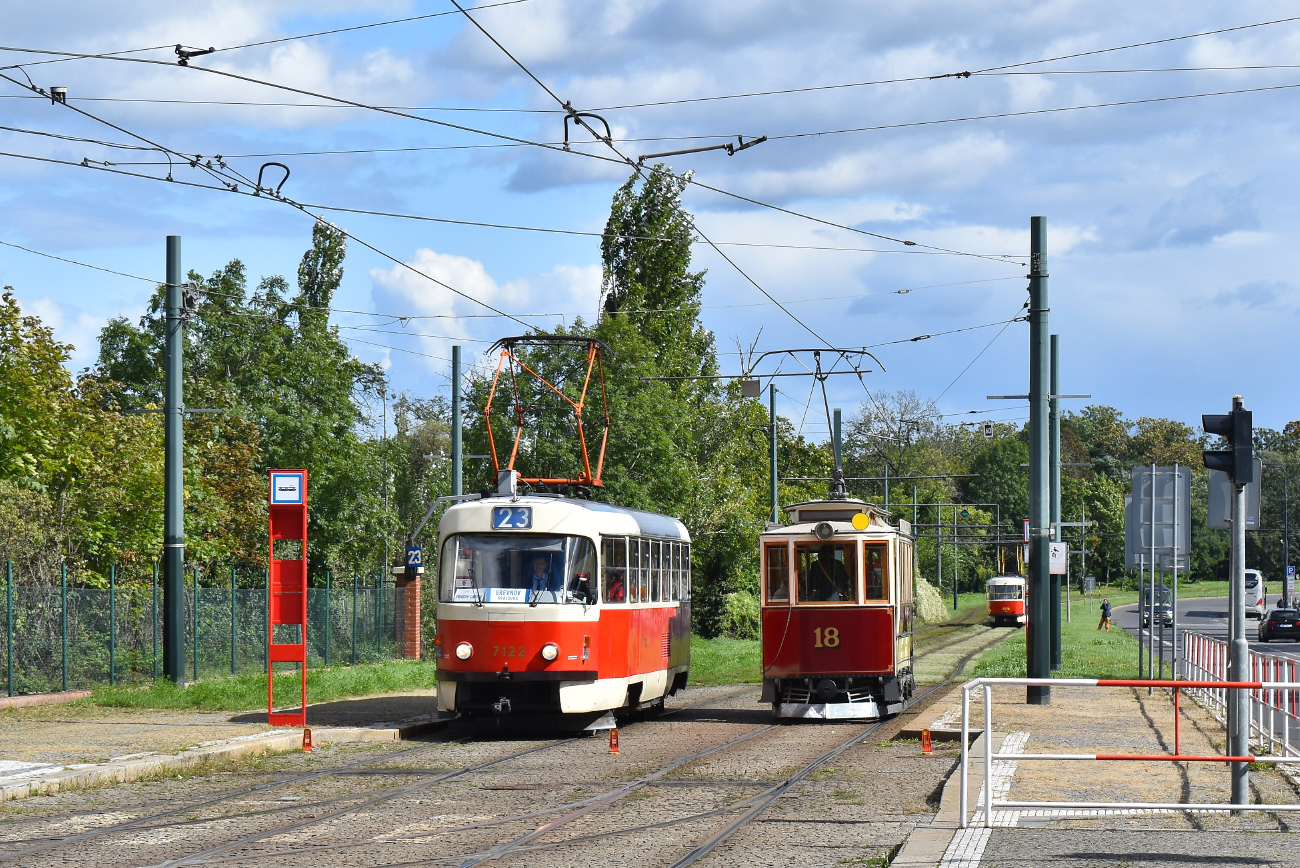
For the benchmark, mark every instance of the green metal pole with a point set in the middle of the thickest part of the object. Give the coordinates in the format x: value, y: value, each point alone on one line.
x: 1038, y: 629
x: 195, y: 642
x: 112, y: 624
x: 771, y: 450
x: 233, y: 634
x: 356, y: 581
x: 379, y: 617
x: 1054, y: 445
x: 155, y: 620
x: 327, y: 617
x: 174, y: 485
x: 456, y: 414
x: 64, y: 570
x: 9, y: 625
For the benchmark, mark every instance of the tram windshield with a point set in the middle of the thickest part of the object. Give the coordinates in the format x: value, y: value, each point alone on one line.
x: 1005, y: 592
x: 828, y: 572
x: 523, y: 568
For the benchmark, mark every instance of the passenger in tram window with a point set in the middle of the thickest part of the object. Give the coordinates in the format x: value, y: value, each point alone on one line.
x: 614, y: 590
x: 875, y: 564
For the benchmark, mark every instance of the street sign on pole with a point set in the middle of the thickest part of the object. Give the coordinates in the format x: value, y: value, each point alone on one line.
x: 1059, y: 558
x: 1163, y: 530
x: 1219, y: 514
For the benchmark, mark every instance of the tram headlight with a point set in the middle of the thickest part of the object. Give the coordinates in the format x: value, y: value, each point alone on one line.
x: 550, y: 651
x: 464, y: 651
x: 824, y: 530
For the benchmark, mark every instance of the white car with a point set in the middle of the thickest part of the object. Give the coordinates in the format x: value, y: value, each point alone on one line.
x: 1256, y: 591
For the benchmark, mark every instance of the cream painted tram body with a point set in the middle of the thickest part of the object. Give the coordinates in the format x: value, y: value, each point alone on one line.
x: 551, y: 605
x: 837, y: 612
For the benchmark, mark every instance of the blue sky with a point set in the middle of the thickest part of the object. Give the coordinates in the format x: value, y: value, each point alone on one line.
x: 1171, y: 224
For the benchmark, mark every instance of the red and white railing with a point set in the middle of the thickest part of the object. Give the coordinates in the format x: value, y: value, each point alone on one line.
x: 1273, y: 711
x: 986, y: 685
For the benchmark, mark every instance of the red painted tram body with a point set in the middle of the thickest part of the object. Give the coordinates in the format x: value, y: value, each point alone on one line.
x: 837, y: 612
x: 551, y: 605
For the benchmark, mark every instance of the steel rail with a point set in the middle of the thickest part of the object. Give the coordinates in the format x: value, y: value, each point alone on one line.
x: 387, y: 794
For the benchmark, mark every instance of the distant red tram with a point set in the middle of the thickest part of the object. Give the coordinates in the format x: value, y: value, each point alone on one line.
x: 837, y: 612
x: 1007, y: 600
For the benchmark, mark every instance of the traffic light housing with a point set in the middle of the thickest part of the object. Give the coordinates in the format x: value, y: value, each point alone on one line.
x: 1237, y: 428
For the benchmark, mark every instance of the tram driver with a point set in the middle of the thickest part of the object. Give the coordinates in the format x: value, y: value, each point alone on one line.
x: 544, y: 578
x: 830, y: 581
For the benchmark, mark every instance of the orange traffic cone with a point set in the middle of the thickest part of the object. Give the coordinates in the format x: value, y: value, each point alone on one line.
x: 926, y: 747
x: 306, y: 740
x: 613, y: 741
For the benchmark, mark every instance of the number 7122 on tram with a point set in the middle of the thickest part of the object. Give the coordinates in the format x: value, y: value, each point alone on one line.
x: 837, y: 612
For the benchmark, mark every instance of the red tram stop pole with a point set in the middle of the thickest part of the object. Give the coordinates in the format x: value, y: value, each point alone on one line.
x: 288, y: 590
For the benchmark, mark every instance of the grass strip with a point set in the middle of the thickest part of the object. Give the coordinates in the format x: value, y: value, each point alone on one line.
x: 248, y: 691
x: 1086, y: 652
x: 725, y: 661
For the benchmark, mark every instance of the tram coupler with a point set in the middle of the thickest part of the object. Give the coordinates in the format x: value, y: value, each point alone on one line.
x: 502, y: 705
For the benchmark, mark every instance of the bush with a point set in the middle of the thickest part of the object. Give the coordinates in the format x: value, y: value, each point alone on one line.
x: 930, y: 608
x: 740, y: 617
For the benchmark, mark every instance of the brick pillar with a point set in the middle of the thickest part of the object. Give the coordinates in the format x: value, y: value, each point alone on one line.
x: 408, y: 618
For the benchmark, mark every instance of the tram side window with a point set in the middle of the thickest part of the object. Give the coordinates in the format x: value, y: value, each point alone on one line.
x: 676, y: 571
x: 778, y: 573
x: 828, y: 572
x: 877, y: 571
x: 686, y: 571
x: 614, y: 556
x: 633, y: 570
x: 657, y: 574
x: 645, y: 571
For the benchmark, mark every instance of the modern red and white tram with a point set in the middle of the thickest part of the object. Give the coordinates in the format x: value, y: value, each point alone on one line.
x: 560, y: 605
x: 837, y: 612
x: 1007, y: 600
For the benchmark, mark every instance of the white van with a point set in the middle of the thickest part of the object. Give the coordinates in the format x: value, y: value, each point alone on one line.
x: 1255, y: 594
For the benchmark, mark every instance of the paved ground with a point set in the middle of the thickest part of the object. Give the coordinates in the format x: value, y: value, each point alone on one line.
x: 1206, y: 615
x: 82, y: 733
x: 1121, y: 721
x: 458, y: 799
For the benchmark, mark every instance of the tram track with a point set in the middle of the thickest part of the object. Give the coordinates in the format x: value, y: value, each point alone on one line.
x: 528, y: 843
x: 516, y: 846
x: 148, y: 823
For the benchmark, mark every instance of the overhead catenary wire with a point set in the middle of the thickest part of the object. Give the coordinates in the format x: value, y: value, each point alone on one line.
x: 277, y: 198
x: 992, y: 340
x: 76, y: 262
x: 637, y: 168
x: 622, y: 158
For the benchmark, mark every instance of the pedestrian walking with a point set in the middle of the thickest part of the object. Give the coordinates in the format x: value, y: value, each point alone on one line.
x: 1105, y: 615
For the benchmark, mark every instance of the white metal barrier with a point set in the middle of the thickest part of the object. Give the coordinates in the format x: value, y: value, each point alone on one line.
x: 1273, y: 712
x: 986, y: 685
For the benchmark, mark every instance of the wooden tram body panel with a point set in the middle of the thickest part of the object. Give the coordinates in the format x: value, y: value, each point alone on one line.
x: 1006, y: 596
x: 837, y: 612
x: 628, y: 643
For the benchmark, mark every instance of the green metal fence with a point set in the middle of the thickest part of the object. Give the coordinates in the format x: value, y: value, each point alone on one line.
x: 68, y: 637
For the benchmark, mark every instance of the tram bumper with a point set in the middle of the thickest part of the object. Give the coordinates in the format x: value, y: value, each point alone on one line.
x: 868, y: 709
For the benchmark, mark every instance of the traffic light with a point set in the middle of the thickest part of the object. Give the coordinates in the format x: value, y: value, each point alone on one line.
x: 1237, y: 428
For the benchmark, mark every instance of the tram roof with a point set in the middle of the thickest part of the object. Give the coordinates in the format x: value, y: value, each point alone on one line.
x: 566, y: 509
x: 838, y: 512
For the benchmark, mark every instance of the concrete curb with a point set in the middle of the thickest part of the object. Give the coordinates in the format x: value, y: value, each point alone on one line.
x: 925, y: 847
x: 135, y: 767
x: 926, y: 719
x: 43, y: 699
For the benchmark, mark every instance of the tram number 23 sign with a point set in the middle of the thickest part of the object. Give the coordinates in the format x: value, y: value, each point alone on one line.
x: 826, y: 637
x: 512, y: 517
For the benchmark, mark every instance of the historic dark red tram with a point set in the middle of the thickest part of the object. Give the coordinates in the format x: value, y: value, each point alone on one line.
x: 837, y: 612
x: 555, y: 604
